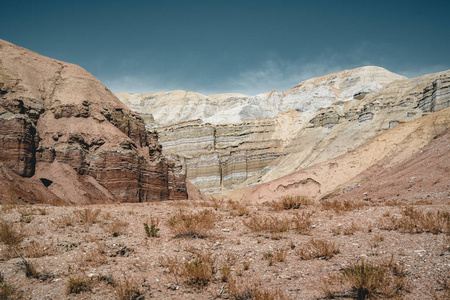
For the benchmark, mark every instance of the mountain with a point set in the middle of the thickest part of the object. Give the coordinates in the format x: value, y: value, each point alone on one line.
x: 231, y: 141
x: 64, y: 137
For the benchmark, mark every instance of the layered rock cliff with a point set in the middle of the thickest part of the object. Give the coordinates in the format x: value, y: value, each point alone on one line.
x: 230, y: 141
x: 63, y: 129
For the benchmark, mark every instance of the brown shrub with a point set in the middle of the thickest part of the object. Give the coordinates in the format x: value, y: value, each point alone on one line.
x: 87, y: 216
x: 9, y: 235
x: 277, y: 255
x: 254, y: 291
x: 415, y: 221
x: 7, y: 291
x: 193, y: 225
x: 238, y: 208
x: 270, y: 224
x: 128, y: 288
x: 36, y: 249
x: 342, y: 206
x: 78, y: 284
x: 317, y: 249
x: 290, y: 202
x: 302, y: 222
x: 200, y: 270
x: 64, y: 221
x: 173, y: 264
x: 116, y: 227
x: 369, y: 280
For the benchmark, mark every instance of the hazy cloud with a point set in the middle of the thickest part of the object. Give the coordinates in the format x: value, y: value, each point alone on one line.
x: 274, y: 73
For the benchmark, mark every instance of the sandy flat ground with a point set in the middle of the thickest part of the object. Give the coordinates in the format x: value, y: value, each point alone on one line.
x: 68, y: 247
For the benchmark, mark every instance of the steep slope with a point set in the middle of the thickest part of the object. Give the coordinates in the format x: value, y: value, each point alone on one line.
x: 241, y: 140
x: 386, y: 150
x: 343, y: 126
x: 425, y: 176
x: 63, y: 129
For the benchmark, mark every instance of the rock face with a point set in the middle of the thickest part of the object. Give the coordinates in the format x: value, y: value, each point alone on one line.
x: 60, y: 127
x: 231, y: 141
x: 373, y: 163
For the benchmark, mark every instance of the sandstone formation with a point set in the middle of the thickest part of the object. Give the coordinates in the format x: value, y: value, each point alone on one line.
x: 231, y: 141
x: 64, y: 131
x: 385, y: 152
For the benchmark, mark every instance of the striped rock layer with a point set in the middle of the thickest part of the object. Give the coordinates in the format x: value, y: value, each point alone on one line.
x: 232, y: 141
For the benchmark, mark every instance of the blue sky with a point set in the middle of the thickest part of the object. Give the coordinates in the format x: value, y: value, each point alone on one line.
x: 217, y: 46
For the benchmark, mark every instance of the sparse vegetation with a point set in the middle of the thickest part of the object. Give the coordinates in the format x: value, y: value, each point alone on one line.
x: 254, y: 291
x: 238, y: 208
x: 342, y: 206
x: 64, y: 221
x: 9, y: 235
x: 270, y: 224
x: 116, y: 227
x: 152, y: 230
x: 302, y: 222
x: 317, y: 249
x: 87, y: 216
x: 236, y: 251
x: 193, y: 225
x: 291, y: 202
x: 7, y: 291
x: 369, y: 280
x: 413, y: 220
x: 277, y: 255
x: 36, y: 249
x: 128, y: 288
x: 78, y: 284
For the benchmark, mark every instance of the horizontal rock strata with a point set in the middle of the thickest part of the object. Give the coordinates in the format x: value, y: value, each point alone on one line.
x: 231, y: 140
x: 62, y: 128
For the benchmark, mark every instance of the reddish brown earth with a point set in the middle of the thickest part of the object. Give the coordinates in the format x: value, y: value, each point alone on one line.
x: 59, y: 123
x: 62, y: 247
x: 423, y: 177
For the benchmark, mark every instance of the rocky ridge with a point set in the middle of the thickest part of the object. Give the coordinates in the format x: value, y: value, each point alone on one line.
x: 240, y: 140
x: 68, y: 135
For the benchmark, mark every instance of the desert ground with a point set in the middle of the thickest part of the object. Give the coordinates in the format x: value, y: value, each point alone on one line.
x: 290, y: 248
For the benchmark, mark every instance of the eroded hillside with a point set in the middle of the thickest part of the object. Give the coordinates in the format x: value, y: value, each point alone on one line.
x: 231, y: 141
x: 64, y: 137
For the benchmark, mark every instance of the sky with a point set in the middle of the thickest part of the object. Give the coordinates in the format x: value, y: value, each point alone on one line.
x: 224, y: 46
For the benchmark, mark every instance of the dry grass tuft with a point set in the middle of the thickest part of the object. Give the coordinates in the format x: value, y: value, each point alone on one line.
x: 36, y: 249
x: 413, y: 220
x: 238, y: 208
x: 192, y: 225
x: 368, y: 280
x: 128, y: 288
x: 290, y: 202
x: 116, y: 227
x: 270, y: 224
x: 248, y: 290
x: 342, y: 206
x: 87, y: 216
x: 64, y: 221
x: 278, y: 255
x: 7, y: 291
x: 200, y: 270
x: 196, y: 272
x: 9, y: 235
x: 317, y: 249
x: 93, y: 257
x: 302, y: 222
x: 78, y: 284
